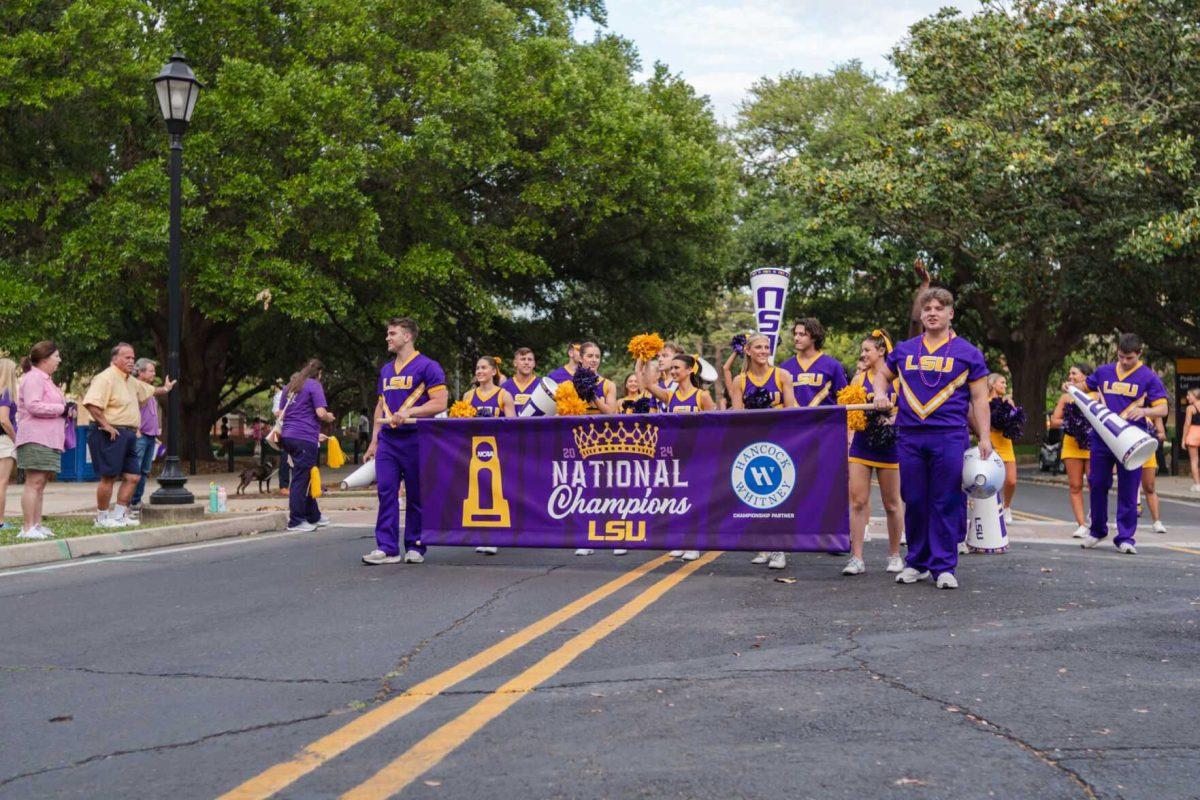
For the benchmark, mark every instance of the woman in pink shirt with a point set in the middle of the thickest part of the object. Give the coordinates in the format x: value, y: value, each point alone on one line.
x: 41, y: 429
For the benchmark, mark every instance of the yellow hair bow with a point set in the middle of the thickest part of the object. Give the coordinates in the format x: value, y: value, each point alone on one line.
x: 887, y: 343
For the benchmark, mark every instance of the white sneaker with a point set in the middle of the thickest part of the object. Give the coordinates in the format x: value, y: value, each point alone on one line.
x: 855, y: 566
x: 1081, y: 532
x: 894, y: 564
x: 1126, y: 547
x: 413, y: 557
x: 1159, y: 527
x: 301, y: 527
x: 379, y: 557
x: 487, y: 551
x: 107, y: 522
x: 584, y: 551
x: 963, y: 550
x: 947, y: 581
x: 1089, y: 542
x: 675, y: 554
x: 46, y: 532
x: 760, y: 557
x: 31, y: 533
x: 1008, y: 518
x: 1195, y: 487
x: 128, y: 522
x: 323, y: 522
x: 619, y: 552
x: 910, y: 575
x: 690, y: 555
x: 778, y: 560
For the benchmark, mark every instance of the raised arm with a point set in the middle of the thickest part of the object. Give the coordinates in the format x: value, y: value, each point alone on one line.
x: 642, y: 370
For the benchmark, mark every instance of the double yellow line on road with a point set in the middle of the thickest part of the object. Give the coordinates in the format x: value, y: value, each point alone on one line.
x: 437, y: 745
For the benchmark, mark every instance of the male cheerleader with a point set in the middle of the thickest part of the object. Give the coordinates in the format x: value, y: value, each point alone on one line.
x: 411, y: 386
x: 523, y: 380
x: 816, y: 377
x: 943, y: 379
x: 1132, y: 390
x: 567, y: 370
x: 658, y: 372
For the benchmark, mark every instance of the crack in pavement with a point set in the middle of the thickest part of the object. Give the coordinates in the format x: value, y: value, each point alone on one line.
x: 966, y: 713
x: 186, y: 675
x: 171, y: 745
x: 386, y: 689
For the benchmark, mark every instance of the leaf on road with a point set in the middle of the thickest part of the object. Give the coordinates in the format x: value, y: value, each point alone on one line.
x: 909, y: 782
x: 785, y: 580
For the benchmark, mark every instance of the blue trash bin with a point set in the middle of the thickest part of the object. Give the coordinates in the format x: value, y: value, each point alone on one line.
x: 77, y: 462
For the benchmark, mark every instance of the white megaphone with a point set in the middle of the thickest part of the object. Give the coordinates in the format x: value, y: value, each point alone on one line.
x: 986, y: 531
x: 363, y: 476
x: 982, y: 477
x: 541, y: 399
x: 1130, y: 443
x: 768, y: 288
x: 708, y: 373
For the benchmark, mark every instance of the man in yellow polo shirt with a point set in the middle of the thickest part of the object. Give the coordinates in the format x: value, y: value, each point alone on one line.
x: 114, y: 400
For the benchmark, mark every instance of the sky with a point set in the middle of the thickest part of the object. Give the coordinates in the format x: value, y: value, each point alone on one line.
x: 722, y: 46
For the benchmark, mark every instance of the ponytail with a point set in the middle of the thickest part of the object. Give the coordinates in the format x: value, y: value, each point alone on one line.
x: 311, y: 369
x: 37, y: 354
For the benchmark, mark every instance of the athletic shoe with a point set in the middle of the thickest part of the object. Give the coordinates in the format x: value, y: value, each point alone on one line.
x: 675, y: 553
x: 323, y: 522
x: 690, y: 555
x: 31, y: 533
x: 127, y: 522
x: 963, y: 549
x: 855, y: 566
x: 1008, y: 518
x: 1126, y: 547
x: 1089, y: 542
x: 894, y: 564
x: 107, y: 522
x: 46, y: 532
x: 1195, y: 487
x: 1159, y: 527
x: 910, y: 575
x: 760, y: 557
x: 301, y: 527
x: 1081, y: 532
x: 379, y: 557
x: 778, y: 560
x: 487, y: 551
x: 619, y: 552
x: 584, y: 551
x: 413, y: 557
x: 947, y: 581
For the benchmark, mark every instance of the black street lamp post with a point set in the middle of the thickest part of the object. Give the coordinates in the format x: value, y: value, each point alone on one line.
x: 177, y: 91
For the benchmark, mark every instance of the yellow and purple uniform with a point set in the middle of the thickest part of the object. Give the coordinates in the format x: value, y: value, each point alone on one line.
x: 818, y: 382
x: 488, y: 404
x: 602, y: 386
x: 1003, y: 447
x: 521, y: 394
x: 860, y: 451
x: 626, y: 404
x: 1072, y: 447
x: 772, y: 386
x: 1118, y: 390
x: 684, y: 401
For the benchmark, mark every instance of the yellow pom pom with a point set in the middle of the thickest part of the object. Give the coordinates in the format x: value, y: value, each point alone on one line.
x: 853, y: 395
x: 645, y: 346
x: 462, y: 410
x: 567, y: 401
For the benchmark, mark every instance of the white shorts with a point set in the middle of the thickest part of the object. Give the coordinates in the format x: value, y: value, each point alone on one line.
x: 7, y: 448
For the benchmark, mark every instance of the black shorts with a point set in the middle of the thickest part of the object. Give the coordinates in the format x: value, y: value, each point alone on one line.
x: 114, y: 457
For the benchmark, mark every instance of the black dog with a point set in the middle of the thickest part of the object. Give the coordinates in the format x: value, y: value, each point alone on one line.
x: 259, y: 472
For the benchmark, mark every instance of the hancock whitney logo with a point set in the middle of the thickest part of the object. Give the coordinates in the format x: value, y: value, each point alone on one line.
x: 763, y: 475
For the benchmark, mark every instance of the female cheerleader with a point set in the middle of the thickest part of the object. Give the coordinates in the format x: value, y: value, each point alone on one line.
x: 489, y: 400
x: 1154, y: 426
x: 636, y: 400
x: 884, y: 460
x: 760, y: 385
x: 1076, y: 431
x: 605, y: 402
x: 998, y: 390
x: 1191, y: 435
x: 687, y: 397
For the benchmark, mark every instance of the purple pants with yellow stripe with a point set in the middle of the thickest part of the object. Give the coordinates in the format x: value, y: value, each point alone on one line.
x: 396, y: 460
x: 1100, y: 479
x: 931, y: 461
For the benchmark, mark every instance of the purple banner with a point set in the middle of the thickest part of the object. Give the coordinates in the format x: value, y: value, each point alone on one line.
x: 757, y: 480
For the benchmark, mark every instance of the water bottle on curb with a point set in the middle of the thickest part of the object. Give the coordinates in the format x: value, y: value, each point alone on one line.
x: 213, y: 499
x: 222, y: 500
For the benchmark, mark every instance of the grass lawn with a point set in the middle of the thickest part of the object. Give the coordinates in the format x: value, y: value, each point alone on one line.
x: 63, y: 527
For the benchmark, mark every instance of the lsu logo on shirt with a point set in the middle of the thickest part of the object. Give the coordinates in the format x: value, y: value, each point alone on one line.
x: 809, y: 379
x: 929, y: 364
x: 1123, y: 388
x: 403, y: 382
x: 521, y: 399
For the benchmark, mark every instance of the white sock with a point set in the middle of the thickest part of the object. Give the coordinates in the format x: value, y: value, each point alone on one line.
x: 102, y: 513
x: 120, y: 512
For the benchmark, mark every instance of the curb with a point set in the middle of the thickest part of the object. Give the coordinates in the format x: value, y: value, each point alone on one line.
x: 33, y: 553
x: 1170, y: 495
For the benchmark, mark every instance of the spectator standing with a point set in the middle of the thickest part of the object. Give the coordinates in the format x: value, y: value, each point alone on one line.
x: 8, y: 429
x: 285, y: 467
x: 41, y: 431
x: 114, y: 399
x: 300, y: 437
x: 148, y: 431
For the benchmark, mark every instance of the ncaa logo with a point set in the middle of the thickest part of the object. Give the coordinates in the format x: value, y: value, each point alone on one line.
x: 763, y: 475
x: 484, y: 451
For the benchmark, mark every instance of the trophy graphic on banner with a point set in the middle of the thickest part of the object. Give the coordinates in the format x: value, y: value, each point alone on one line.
x: 769, y: 287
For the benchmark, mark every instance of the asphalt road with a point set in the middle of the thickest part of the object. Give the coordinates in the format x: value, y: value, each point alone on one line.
x: 1053, y: 672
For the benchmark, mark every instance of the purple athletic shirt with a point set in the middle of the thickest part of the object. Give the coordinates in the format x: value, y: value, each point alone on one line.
x: 560, y: 375
x: 300, y: 420
x: 149, y: 426
x: 934, y: 387
x: 7, y: 401
x: 396, y: 386
x: 521, y: 394
x: 818, y: 383
x: 1119, y: 391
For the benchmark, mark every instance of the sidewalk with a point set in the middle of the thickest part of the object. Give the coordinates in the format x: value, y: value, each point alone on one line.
x: 1174, y: 487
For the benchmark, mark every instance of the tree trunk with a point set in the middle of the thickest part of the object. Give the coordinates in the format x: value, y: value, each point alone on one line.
x: 1030, y: 361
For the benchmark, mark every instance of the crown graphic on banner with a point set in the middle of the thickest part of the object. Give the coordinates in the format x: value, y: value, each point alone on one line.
x: 641, y: 440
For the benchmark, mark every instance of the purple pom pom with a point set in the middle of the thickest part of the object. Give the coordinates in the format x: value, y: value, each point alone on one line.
x: 880, y: 435
x: 586, y: 384
x: 739, y: 344
x: 1075, y: 424
x: 1008, y: 419
x: 757, y: 399
x: 639, y: 406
